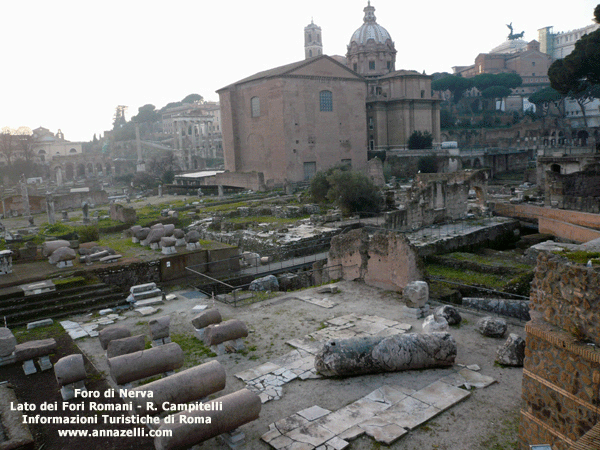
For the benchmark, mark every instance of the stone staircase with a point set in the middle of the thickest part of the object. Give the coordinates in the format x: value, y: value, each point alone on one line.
x: 17, y: 309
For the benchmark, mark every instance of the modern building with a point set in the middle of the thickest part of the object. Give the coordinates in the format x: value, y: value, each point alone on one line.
x: 557, y: 46
x: 292, y: 121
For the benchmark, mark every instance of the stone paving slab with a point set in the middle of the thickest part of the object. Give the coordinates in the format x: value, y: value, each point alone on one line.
x: 383, y: 431
x: 469, y: 379
x: 322, y: 302
x: 386, y: 414
x: 441, y: 395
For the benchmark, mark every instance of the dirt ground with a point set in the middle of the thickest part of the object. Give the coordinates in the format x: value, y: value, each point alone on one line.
x: 488, y: 417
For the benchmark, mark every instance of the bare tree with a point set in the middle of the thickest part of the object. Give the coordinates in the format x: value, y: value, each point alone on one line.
x: 7, y: 144
x: 25, y: 141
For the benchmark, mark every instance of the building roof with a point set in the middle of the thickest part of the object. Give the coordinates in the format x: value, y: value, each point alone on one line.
x: 203, y: 174
x: 370, y: 29
x: 288, y: 69
x: 510, y: 46
x: 403, y: 73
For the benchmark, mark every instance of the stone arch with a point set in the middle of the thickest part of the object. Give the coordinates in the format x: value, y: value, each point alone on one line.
x: 555, y: 168
x: 72, y: 150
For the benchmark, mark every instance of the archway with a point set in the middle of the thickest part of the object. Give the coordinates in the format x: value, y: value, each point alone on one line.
x: 69, y: 171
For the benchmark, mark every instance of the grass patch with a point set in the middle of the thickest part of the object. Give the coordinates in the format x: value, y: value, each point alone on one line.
x: 194, y: 350
x: 487, y: 260
x: 119, y: 244
x: 582, y: 257
x: 505, y: 435
x: 22, y: 334
x: 469, y: 277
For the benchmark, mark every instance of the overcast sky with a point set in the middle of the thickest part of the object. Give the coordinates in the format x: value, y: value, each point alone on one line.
x: 68, y: 64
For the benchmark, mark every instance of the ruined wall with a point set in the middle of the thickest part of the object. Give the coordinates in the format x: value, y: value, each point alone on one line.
x: 126, y: 275
x: 561, y: 375
x: 122, y: 213
x: 435, y: 198
x: 385, y: 260
x: 578, y: 191
x: 76, y: 199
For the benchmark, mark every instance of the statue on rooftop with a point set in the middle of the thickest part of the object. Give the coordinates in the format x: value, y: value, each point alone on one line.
x: 512, y: 36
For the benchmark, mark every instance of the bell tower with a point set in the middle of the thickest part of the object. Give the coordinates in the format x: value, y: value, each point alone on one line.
x: 313, y: 45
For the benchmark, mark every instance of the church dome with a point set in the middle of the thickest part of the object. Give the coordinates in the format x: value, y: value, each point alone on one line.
x: 370, y: 29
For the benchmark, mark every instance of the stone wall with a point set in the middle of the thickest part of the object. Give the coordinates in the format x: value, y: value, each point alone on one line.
x: 122, y: 213
x: 435, y: 198
x: 561, y: 374
x: 567, y: 295
x: 578, y: 191
x: 385, y: 260
x: 126, y: 275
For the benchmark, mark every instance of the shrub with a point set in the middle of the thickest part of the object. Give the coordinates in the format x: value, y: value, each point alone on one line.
x: 354, y: 192
x: 419, y: 140
x: 88, y: 233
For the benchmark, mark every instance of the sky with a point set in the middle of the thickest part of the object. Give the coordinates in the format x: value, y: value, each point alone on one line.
x: 69, y: 63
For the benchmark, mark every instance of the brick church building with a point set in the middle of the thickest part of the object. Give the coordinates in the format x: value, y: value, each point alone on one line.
x: 292, y: 121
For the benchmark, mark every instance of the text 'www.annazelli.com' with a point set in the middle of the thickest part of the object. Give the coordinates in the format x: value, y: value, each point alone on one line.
x: 132, y: 432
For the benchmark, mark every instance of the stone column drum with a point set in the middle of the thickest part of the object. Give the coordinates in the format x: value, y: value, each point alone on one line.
x: 138, y: 365
x: 225, y: 331
x: 189, y: 385
x: 237, y: 409
x: 70, y: 369
x: 359, y: 356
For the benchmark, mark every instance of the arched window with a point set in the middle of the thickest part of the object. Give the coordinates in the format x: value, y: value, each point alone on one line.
x: 255, y: 106
x: 310, y: 53
x: 72, y: 151
x: 326, y: 101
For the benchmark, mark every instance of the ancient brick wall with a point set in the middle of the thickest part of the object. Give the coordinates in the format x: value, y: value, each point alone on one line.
x: 561, y: 374
x: 568, y: 296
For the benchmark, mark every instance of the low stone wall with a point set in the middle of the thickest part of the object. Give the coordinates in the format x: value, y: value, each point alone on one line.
x: 497, y: 236
x: 519, y: 309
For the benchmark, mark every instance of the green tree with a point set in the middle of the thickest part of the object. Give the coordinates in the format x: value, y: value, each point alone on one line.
x: 447, y: 119
x: 319, y: 186
x: 543, y: 100
x: 420, y: 140
x: 192, y: 98
x: 453, y: 83
x: 578, y: 74
x: 495, y: 92
x: 353, y: 192
x: 146, y: 113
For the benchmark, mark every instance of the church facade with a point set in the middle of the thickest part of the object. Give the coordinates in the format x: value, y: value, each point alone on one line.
x: 292, y: 121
